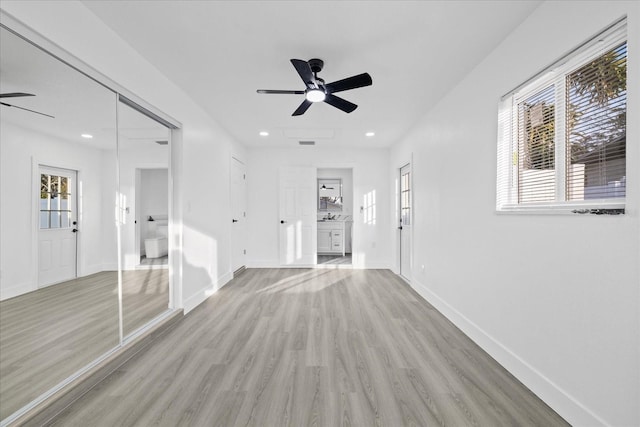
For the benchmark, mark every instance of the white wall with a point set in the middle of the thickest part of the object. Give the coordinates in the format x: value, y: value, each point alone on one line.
x: 22, y: 149
x: 371, y: 242
x: 202, y: 147
x: 555, y: 299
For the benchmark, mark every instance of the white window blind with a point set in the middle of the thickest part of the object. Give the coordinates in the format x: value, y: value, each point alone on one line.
x: 562, y: 135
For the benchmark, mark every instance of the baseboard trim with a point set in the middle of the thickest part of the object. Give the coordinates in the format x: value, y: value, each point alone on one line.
x: 558, y: 399
x: 356, y: 266
x: 201, y: 296
x: 45, y: 411
x: 239, y: 271
x: 263, y: 264
x: 16, y: 291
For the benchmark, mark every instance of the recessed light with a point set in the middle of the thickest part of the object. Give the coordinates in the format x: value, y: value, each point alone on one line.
x: 370, y: 134
x: 264, y: 133
x: 86, y: 135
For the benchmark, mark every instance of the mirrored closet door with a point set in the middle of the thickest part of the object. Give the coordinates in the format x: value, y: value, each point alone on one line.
x: 59, y: 280
x: 144, y: 194
x: 84, y: 220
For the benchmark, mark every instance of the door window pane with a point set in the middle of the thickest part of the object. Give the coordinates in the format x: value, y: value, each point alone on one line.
x: 55, y: 201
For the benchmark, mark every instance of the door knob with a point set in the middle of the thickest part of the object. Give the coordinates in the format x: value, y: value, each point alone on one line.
x: 400, y: 228
x: 234, y: 220
x: 282, y: 221
x: 75, y: 230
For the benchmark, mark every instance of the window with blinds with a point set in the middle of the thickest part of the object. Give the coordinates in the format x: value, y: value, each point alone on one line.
x: 562, y: 135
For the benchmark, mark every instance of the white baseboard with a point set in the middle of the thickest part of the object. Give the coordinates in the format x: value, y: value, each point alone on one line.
x: 373, y: 265
x: 554, y: 396
x: 201, y: 296
x: 16, y: 290
x: 96, y: 268
x: 109, y: 267
x: 274, y: 263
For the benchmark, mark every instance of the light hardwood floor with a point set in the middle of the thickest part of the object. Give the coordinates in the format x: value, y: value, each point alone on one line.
x: 292, y: 347
x: 49, y: 334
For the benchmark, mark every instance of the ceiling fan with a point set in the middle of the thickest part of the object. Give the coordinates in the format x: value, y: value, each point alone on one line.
x: 318, y: 91
x: 17, y: 95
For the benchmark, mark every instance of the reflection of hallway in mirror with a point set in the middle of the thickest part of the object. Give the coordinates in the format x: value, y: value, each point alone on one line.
x: 49, y: 334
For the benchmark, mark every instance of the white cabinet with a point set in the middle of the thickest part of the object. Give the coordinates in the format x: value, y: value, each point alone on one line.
x: 331, y: 237
x: 324, y: 240
x: 337, y: 240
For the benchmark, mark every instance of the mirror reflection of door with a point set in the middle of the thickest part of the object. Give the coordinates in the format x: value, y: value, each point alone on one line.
x: 405, y: 221
x: 58, y: 289
x: 143, y: 153
x: 57, y: 225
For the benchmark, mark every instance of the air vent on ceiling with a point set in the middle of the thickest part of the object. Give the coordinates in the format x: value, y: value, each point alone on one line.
x: 162, y: 142
x: 307, y: 142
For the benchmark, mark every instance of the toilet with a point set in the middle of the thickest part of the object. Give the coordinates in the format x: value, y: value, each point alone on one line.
x: 157, y: 245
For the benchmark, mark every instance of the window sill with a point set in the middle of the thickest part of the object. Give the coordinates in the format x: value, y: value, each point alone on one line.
x: 576, y: 209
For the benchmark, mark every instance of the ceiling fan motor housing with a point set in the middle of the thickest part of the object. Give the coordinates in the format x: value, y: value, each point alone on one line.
x: 316, y: 65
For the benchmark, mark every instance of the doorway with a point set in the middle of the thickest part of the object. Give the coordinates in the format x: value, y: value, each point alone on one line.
x: 152, y: 215
x: 57, y: 225
x: 334, y: 217
x: 405, y: 223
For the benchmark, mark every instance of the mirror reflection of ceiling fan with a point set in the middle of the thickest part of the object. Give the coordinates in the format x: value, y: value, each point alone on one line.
x: 18, y: 95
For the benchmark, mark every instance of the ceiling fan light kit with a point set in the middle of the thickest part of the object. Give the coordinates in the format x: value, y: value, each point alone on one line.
x: 316, y: 89
x: 315, y: 95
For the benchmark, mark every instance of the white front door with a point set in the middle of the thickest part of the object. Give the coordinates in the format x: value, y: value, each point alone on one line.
x: 298, y: 218
x: 405, y: 222
x: 57, y: 225
x: 238, y: 214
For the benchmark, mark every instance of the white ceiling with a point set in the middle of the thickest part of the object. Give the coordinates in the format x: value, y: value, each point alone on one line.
x: 221, y: 52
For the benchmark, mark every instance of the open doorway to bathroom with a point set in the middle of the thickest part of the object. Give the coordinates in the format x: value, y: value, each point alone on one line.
x: 335, y: 217
x: 152, y: 208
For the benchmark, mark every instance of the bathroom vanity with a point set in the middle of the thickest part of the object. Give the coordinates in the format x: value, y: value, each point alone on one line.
x: 331, y: 237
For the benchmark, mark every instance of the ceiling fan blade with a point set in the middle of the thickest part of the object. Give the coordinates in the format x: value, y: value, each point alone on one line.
x: 282, y: 92
x: 354, y: 82
x: 302, y: 108
x: 15, y: 94
x: 26, y: 109
x: 339, y: 103
x: 304, y: 70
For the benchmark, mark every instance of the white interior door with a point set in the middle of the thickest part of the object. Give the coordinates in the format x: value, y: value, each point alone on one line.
x: 238, y: 214
x: 298, y: 219
x: 57, y: 225
x: 405, y: 222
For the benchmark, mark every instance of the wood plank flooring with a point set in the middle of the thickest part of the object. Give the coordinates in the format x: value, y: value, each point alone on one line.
x: 334, y: 259
x: 49, y: 334
x: 292, y: 347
